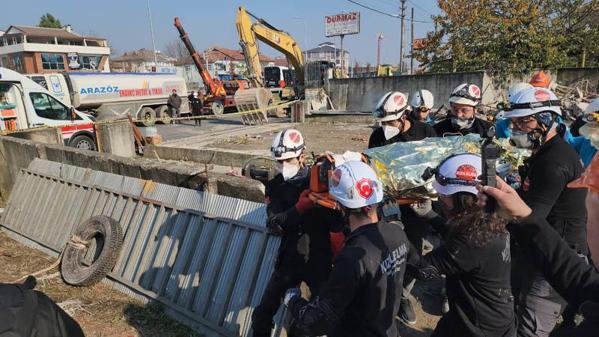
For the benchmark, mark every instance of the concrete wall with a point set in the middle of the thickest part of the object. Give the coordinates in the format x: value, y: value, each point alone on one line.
x: 16, y: 154
x: 42, y: 135
x: 116, y: 138
x: 361, y: 94
x: 569, y: 77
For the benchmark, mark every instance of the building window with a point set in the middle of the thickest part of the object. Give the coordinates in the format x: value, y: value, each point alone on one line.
x: 52, y: 62
x: 90, y: 61
x: 17, y: 61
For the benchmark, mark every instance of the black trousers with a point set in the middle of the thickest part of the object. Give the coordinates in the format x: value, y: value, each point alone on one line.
x: 281, y: 280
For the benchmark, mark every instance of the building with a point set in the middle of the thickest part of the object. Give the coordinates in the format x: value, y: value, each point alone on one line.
x: 142, y: 61
x: 31, y: 50
x: 327, y: 51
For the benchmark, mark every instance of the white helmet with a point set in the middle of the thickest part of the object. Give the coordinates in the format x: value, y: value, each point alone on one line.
x: 593, y: 107
x: 288, y: 143
x: 531, y: 101
x: 422, y: 98
x: 355, y: 185
x: 516, y: 88
x: 458, y: 173
x: 391, y: 106
x: 465, y: 93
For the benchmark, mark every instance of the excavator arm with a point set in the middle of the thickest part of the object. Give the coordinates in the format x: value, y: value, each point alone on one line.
x: 261, y: 30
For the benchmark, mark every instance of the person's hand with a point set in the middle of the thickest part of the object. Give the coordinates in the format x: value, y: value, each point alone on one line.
x: 304, y: 203
x: 511, y: 206
x: 273, y: 225
x: 290, y: 295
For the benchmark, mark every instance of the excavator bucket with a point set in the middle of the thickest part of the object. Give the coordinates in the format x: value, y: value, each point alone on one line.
x: 254, y: 104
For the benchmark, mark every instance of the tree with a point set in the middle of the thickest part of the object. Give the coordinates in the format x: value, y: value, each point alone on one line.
x: 176, y: 49
x: 510, y: 38
x: 49, y: 21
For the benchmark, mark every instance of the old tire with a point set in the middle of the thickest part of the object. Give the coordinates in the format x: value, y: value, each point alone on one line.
x: 92, y: 251
x: 163, y: 113
x: 217, y: 108
x: 147, y: 116
x: 83, y: 142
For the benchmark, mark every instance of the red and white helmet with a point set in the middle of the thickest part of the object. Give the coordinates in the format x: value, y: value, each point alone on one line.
x: 288, y: 143
x: 391, y: 106
x: 355, y: 185
x: 465, y: 93
x: 531, y: 101
x: 458, y: 173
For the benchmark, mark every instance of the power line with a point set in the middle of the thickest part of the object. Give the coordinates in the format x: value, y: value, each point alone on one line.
x: 397, y: 16
x: 418, y: 6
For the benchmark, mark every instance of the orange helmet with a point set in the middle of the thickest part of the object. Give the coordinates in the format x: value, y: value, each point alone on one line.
x: 590, y: 178
x: 540, y: 79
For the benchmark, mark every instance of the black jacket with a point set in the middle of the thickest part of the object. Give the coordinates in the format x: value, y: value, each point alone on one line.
x: 544, y: 179
x: 362, y: 295
x: 570, y: 275
x: 417, y: 131
x: 305, y: 239
x: 174, y: 101
x: 445, y: 127
x: 478, y: 285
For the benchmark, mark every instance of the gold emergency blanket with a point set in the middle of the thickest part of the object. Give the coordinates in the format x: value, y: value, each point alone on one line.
x: 400, y: 165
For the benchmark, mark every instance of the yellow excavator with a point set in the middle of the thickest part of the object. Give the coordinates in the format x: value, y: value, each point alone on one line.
x: 250, y: 33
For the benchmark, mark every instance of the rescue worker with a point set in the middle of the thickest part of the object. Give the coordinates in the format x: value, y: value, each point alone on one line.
x: 540, y: 80
x: 503, y: 126
x: 475, y: 258
x: 582, y: 144
x: 305, y: 250
x: 196, y: 103
x: 422, y: 103
x: 534, y: 113
x: 396, y: 124
x: 362, y: 294
x: 174, y: 104
x: 462, y: 120
x: 572, y: 277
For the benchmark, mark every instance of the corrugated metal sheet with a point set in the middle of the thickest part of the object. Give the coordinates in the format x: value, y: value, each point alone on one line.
x: 207, y: 257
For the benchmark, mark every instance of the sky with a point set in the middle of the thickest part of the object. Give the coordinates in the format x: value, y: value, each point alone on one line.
x: 126, y: 25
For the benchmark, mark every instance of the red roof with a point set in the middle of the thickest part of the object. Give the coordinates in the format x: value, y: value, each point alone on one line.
x: 216, y: 53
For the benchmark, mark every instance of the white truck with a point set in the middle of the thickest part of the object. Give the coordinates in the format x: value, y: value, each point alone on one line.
x: 24, y: 104
x: 115, y: 95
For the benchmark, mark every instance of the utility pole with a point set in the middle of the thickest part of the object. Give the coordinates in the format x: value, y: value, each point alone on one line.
x: 152, y: 33
x: 412, y: 43
x: 379, y: 38
x: 403, y: 16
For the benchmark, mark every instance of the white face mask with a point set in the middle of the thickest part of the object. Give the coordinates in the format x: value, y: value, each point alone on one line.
x: 520, y: 139
x: 390, y: 131
x: 287, y: 170
x: 462, y: 123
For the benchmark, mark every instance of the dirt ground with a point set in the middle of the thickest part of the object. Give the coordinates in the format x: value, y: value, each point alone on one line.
x: 100, y: 310
x: 336, y: 137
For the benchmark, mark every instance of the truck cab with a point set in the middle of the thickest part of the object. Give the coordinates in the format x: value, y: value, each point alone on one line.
x: 24, y: 104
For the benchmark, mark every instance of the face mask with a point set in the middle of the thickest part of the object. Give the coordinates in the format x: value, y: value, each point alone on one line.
x: 390, y: 131
x: 462, y: 123
x: 287, y: 170
x: 521, y: 140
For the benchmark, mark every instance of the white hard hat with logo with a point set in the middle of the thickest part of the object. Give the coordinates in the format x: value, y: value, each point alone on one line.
x: 390, y: 107
x: 355, y: 185
x: 422, y: 98
x: 465, y: 93
x: 458, y: 173
x: 516, y: 88
x: 531, y: 101
x: 288, y: 143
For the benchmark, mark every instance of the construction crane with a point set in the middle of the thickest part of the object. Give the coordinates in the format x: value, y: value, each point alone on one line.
x: 249, y: 35
x: 221, y: 94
